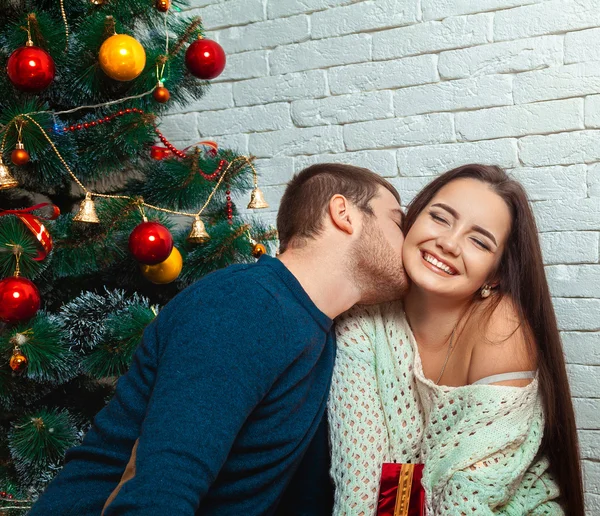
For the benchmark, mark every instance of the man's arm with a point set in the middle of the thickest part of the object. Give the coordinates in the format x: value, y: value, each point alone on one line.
x: 215, y: 367
x: 94, y: 468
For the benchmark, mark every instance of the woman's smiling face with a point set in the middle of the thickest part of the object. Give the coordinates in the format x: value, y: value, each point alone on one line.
x: 455, y: 245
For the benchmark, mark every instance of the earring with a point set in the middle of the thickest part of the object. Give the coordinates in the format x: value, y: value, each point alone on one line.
x: 486, y: 290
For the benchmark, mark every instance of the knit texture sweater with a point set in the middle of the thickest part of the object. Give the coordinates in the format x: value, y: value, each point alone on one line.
x: 479, y: 443
x: 223, y: 397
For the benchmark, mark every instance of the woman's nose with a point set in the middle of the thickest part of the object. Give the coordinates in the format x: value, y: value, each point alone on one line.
x: 448, y: 244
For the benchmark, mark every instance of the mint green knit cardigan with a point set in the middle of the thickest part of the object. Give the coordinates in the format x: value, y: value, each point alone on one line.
x: 479, y: 443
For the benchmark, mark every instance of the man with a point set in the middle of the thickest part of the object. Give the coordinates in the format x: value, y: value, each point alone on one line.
x: 230, y: 382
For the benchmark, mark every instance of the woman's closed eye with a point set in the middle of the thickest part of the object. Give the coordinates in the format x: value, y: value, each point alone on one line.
x: 481, y: 244
x: 437, y: 217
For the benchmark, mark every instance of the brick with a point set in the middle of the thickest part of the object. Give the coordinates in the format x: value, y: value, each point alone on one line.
x: 279, y: 9
x: 552, y: 17
x: 456, y: 32
x: 293, y: 142
x: 320, y: 54
x: 589, y: 441
x: 582, y: 46
x: 592, y: 111
x: 584, y: 380
x: 180, y: 129
x: 486, y: 91
x: 574, y: 80
x: 435, y: 159
x: 199, y: 3
x: 504, y: 57
x: 574, y: 280
x: 570, y: 247
x: 439, y: 9
x: 577, y: 314
x: 592, y: 504
x: 586, y: 413
x: 247, y: 65
x: 593, y: 180
x: 383, y: 75
x: 560, y: 149
x: 582, y: 347
x: 235, y: 142
x: 343, y: 109
x: 274, y: 171
x: 399, y: 132
x: 217, y: 96
x: 521, y: 120
x: 293, y: 86
x: 553, y: 182
x: 365, y: 16
x: 381, y: 161
x: 265, y: 35
x: 230, y: 12
x: 270, y: 117
x: 568, y: 215
x: 409, y: 187
x: 591, y: 474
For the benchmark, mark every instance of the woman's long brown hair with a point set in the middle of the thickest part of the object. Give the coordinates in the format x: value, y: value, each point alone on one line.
x: 521, y: 276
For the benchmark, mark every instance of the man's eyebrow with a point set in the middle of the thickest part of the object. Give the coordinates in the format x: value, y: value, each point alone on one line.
x: 455, y: 214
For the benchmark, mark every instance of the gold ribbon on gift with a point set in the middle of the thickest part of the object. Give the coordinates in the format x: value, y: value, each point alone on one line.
x: 404, y: 489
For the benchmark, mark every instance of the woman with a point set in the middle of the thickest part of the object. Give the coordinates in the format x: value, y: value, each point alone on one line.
x: 467, y: 376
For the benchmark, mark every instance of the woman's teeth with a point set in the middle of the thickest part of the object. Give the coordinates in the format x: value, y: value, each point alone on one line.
x: 442, y: 266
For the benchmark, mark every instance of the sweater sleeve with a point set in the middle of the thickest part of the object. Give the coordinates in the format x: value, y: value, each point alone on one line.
x: 355, y: 411
x: 217, y: 362
x: 93, y: 469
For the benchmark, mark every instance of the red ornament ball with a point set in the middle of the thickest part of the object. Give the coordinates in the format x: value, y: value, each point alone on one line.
x: 150, y: 243
x: 205, y: 59
x: 31, y: 69
x: 19, y: 157
x: 161, y: 94
x: 19, y: 299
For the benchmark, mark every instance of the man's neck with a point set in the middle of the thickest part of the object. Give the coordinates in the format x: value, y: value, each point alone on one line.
x: 324, y: 277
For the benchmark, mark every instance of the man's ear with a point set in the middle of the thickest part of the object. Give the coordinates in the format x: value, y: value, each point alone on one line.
x: 341, y: 214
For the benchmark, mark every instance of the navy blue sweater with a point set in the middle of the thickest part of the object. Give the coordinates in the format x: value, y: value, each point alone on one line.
x: 223, y: 398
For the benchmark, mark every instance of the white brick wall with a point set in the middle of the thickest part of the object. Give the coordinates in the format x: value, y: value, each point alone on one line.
x: 411, y: 88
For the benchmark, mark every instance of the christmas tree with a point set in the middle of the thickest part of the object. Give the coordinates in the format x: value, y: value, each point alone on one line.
x: 99, y: 225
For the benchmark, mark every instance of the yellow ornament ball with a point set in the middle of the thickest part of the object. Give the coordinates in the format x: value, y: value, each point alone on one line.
x: 122, y: 57
x: 164, y: 272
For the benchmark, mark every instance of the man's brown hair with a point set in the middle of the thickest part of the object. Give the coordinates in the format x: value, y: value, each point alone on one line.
x: 306, y: 198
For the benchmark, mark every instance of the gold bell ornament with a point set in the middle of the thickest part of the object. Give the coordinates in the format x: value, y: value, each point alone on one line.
x: 6, y: 179
x: 87, y: 211
x: 198, y: 235
x: 257, y: 199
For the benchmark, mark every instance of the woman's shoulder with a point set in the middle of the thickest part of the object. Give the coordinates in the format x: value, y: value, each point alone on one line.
x: 501, y: 342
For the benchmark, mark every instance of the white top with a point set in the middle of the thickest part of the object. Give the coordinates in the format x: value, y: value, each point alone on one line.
x: 478, y: 442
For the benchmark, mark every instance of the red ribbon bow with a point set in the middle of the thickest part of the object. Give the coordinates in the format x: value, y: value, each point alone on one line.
x: 389, y: 503
x: 36, y: 227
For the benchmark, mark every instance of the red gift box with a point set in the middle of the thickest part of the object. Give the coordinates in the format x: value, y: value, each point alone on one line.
x: 401, y: 492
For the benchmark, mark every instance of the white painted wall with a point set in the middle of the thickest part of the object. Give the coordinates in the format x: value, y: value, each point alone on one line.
x: 411, y: 88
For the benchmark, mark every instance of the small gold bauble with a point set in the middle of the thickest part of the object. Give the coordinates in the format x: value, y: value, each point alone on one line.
x: 164, y: 272
x: 122, y: 57
x: 258, y: 250
x: 18, y: 362
x: 163, y: 5
x: 161, y: 94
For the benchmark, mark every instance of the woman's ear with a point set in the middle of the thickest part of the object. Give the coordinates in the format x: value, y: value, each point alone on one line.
x: 341, y: 214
